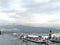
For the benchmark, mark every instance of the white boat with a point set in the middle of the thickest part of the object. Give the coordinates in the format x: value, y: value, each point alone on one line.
x: 34, y: 38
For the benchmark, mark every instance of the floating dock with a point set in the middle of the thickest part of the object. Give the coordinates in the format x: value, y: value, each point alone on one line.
x: 56, y: 41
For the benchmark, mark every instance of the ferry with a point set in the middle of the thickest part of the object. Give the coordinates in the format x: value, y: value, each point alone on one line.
x: 34, y: 38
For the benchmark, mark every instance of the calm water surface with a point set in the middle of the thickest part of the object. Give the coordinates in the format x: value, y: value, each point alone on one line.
x: 8, y: 39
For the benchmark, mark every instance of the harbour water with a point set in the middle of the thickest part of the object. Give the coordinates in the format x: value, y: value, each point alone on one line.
x: 7, y: 39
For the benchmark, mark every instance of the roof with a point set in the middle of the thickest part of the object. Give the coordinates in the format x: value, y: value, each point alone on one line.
x: 35, y: 36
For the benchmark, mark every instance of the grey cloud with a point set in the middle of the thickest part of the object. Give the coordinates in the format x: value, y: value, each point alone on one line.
x: 5, y: 7
x: 55, y: 20
x: 42, y: 7
x: 7, y: 4
x: 31, y: 6
x: 4, y: 3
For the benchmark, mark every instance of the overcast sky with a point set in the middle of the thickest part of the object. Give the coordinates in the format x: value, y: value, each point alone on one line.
x: 30, y: 12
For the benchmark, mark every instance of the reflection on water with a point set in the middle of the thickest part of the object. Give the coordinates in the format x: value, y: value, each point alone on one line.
x: 7, y: 39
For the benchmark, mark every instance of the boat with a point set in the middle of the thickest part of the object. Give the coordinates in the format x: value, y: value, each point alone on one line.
x: 41, y: 39
x: 35, y: 41
x: 34, y: 38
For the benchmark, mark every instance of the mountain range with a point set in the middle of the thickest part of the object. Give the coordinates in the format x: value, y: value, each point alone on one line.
x: 22, y: 28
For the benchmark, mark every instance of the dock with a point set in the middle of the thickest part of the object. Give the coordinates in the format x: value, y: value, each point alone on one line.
x: 56, y: 41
